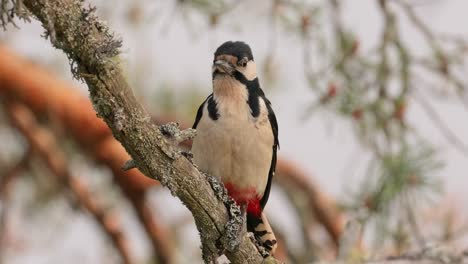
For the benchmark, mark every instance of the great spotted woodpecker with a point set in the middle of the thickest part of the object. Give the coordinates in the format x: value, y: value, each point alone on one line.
x: 237, y: 136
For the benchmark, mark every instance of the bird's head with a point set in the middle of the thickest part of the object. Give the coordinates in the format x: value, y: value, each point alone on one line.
x: 234, y: 57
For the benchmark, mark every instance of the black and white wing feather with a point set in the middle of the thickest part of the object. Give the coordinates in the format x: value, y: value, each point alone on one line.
x: 274, y: 127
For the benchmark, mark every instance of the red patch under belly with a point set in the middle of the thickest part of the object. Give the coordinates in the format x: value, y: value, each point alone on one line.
x: 247, y: 197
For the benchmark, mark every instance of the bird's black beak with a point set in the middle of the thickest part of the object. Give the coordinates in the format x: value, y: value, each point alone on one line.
x: 223, y: 66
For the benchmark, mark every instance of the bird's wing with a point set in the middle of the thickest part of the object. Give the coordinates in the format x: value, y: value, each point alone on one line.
x: 200, y: 113
x: 274, y: 128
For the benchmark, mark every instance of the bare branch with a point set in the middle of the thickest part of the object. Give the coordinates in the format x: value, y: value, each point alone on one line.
x: 453, y: 139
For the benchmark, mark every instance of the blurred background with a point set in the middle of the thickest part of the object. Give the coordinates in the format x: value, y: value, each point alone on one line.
x: 371, y: 100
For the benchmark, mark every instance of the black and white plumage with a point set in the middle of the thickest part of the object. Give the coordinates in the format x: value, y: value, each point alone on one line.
x: 237, y: 135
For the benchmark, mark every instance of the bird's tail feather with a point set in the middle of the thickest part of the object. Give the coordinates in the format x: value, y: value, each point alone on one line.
x: 262, y: 231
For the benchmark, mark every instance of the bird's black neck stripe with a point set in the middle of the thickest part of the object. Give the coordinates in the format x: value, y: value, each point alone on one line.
x: 212, y: 108
x: 254, y: 90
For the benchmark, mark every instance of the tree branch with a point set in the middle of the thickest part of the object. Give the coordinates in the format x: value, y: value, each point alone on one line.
x: 93, y: 53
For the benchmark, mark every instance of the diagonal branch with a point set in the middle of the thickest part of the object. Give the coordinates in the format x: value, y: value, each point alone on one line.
x: 452, y: 138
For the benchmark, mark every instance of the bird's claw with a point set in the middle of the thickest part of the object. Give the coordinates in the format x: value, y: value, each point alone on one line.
x: 261, y: 249
x: 187, y: 154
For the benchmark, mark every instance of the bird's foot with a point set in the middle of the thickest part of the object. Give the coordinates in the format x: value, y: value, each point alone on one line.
x: 263, y: 235
x: 172, y: 131
x: 261, y: 249
x: 187, y: 154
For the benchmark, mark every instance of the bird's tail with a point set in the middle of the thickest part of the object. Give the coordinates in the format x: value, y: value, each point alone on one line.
x: 262, y: 231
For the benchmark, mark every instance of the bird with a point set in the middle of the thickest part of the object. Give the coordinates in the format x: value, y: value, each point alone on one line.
x: 237, y: 136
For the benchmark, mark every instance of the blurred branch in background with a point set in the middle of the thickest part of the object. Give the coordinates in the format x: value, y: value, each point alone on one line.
x: 8, y: 177
x: 320, y: 205
x: 42, y: 142
x: 6, y: 185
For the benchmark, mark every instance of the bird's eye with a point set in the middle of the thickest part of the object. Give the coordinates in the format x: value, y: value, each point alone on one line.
x: 243, y: 62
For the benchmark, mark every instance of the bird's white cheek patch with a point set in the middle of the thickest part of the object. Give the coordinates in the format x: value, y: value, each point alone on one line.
x: 250, y: 71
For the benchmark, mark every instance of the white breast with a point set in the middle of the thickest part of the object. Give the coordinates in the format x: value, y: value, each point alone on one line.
x: 236, y: 147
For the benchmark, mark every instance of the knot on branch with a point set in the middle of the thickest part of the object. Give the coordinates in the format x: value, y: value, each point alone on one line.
x: 172, y: 131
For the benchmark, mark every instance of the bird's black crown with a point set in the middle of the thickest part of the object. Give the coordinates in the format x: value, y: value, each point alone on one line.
x: 238, y: 49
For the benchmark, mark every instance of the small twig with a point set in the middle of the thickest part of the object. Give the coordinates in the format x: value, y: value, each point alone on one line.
x: 431, y: 254
x: 419, y: 24
x: 413, y: 222
x: 6, y: 182
x: 443, y: 128
x: 128, y: 165
x: 350, y: 239
x: 7, y: 178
